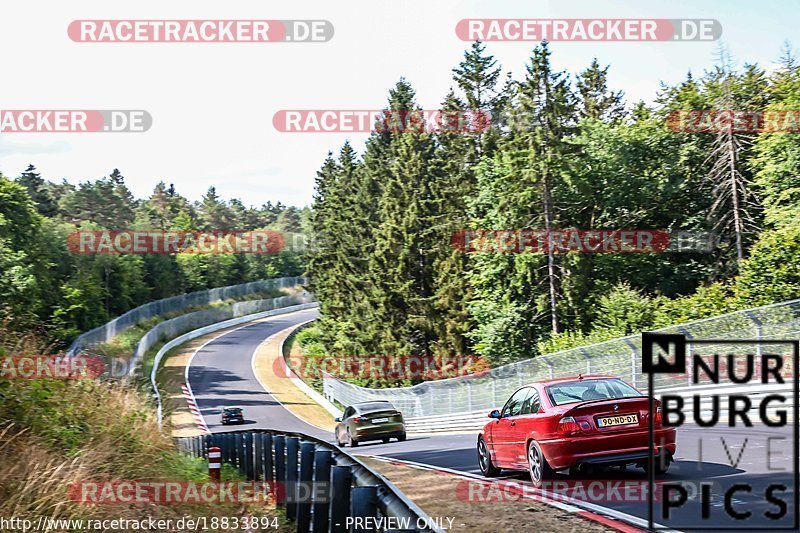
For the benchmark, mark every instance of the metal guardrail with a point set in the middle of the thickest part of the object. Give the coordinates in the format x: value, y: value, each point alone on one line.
x: 620, y: 357
x: 108, y: 331
x: 319, y: 484
x: 173, y: 327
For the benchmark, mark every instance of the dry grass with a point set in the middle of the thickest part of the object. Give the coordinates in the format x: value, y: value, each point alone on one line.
x: 56, y: 433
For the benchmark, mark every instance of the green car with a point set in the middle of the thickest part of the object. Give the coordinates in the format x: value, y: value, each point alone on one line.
x: 369, y: 421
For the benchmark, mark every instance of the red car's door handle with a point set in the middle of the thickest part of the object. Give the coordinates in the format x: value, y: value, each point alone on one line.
x: 513, y: 422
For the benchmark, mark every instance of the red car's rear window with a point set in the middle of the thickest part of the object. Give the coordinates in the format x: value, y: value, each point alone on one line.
x: 590, y: 389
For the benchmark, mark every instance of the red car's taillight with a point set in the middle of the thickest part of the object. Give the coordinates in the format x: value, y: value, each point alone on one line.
x: 568, y: 425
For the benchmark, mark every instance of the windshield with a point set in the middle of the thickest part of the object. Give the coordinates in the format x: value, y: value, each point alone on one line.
x: 590, y: 389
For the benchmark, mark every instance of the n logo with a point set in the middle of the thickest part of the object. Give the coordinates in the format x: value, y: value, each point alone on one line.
x: 669, y: 350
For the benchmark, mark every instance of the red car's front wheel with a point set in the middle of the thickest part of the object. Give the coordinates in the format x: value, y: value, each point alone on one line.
x: 537, y: 464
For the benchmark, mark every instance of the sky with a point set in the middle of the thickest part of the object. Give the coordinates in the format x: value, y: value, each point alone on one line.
x: 212, y: 103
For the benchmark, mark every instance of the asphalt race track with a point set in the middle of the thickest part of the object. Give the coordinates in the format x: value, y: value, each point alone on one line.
x: 221, y: 374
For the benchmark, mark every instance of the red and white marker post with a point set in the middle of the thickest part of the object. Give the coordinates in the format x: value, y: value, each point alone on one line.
x: 214, y: 463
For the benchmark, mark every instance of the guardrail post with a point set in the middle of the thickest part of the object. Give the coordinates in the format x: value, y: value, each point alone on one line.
x: 280, y: 469
x: 341, y: 479
x: 364, y: 503
x: 214, y: 464
x: 258, y: 453
x: 249, y: 455
x: 250, y: 441
x: 222, y: 442
x: 237, y: 456
x: 230, y: 442
x: 322, y: 480
x: 267, y: 472
x: 305, y: 489
x: 292, y: 445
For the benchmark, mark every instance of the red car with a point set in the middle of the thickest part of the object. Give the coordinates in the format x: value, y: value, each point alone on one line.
x: 573, y: 423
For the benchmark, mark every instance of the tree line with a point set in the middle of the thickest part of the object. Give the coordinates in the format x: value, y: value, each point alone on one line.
x: 390, y: 282
x: 45, y: 286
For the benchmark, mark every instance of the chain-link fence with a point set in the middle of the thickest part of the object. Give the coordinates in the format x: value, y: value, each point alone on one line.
x: 108, y: 331
x: 619, y: 357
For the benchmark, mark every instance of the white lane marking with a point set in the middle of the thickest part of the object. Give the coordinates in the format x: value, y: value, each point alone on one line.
x: 253, y: 367
x: 189, y: 365
x: 191, y: 358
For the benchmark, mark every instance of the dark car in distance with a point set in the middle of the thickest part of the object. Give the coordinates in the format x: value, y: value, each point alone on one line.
x: 232, y: 415
x: 366, y: 421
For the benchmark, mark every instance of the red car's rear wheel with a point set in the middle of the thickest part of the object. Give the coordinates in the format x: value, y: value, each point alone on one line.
x: 537, y: 464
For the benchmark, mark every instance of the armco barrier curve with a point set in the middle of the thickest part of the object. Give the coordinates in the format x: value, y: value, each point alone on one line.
x: 319, y: 484
x: 108, y: 331
x: 173, y: 327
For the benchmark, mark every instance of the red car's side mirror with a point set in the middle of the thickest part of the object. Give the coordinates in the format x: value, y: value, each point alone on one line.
x: 494, y: 414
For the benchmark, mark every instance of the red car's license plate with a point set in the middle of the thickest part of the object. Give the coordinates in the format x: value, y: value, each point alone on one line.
x: 619, y: 420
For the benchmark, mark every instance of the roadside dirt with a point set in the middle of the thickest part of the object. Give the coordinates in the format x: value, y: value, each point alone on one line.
x: 443, y: 495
